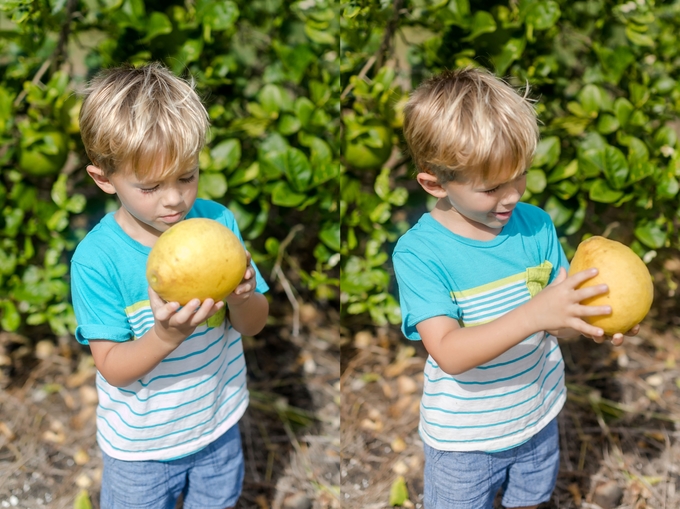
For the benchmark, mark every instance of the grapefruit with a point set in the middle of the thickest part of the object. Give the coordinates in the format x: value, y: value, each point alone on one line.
x: 631, y: 290
x: 196, y: 258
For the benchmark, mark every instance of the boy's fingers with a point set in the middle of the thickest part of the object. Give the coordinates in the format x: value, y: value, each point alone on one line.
x: 594, y: 310
x: 203, y: 312
x: 590, y: 331
x: 187, y: 312
x: 617, y: 339
x: 633, y: 331
x: 582, y: 276
x: 591, y: 291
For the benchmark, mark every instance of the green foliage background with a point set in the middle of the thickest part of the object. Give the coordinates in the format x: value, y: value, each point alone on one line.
x: 306, y: 100
x: 605, y: 75
x: 268, y: 73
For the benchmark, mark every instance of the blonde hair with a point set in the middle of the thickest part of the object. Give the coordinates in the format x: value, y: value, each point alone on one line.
x: 469, y: 122
x: 145, y: 119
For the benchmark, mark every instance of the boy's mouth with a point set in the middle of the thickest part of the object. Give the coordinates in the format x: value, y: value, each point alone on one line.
x: 171, y: 218
x: 503, y: 215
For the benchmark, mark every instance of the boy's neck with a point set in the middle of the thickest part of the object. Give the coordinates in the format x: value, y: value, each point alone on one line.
x: 446, y: 215
x: 136, y: 229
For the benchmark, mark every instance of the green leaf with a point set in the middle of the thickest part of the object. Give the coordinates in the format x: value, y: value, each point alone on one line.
x: 382, y: 184
x: 616, y: 167
x: 226, y: 154
x: 590, y: 98
x: 398, y: 491
x: 330, y: 235
x: 157, y: 24
x: 319, y: 36
x: 639, y: 94
x: 601, y: 192
x: 563, y: 171
x: 482, y: 23
x: 243, y: 175
x: 221, y: 15
x: 288, y: 124
x: 558, y: 212
x: 543, y: 15
x: 82, y: 500
x: 59, y: 221
x: 651, y: 235
x: 59, y: 194
x: 511, y: 51
x: 189, y: 52
x: 667, y: 187
x: 381, y: 213
x: 536, y: 181
x: 284, y: 196
x: 460, y: 10
x: 274, y: 99
x: 565, y: 189
x: 665, y: 136
x: 297, y: 169
x: 614, y: 62
x: 607, y: 124
x: 547, y: 152
x: 638, y: 38
x: 212, y: 185
x: 10, y: 316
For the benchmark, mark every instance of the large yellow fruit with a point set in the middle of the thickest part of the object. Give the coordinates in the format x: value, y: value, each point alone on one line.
x: 631, y: 290
x: 196, y: 258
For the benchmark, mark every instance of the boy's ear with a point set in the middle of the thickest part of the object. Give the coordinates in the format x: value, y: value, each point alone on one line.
x: 100, y: 179
x: 431, y: 185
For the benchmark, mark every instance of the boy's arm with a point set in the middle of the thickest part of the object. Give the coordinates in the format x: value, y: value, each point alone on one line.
x: 248, y: 309
x: 121, y: 363
x: 250, y: 316
x: 457, y: 349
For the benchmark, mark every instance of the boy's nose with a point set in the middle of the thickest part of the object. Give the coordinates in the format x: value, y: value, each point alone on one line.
x: 512, y: 196
x: 172, y: 197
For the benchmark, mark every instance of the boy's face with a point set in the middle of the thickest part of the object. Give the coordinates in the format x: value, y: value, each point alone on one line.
x: 476, y: 206
x: 150, y: 205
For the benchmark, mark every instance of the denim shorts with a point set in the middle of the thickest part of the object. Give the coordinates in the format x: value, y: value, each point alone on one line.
x: 466, y: 480
x: 209, y: 479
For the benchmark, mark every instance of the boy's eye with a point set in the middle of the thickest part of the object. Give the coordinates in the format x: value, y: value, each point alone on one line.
x: 188, y: 179
x: 149, y: 190
x: 489, y: 191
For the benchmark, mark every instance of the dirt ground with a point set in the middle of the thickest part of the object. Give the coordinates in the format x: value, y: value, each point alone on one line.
x: 49, y: 457
x: 619, y: 441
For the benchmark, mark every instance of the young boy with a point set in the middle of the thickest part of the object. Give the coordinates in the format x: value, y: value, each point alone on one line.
x: 171, y: 380
x: 482, y: 282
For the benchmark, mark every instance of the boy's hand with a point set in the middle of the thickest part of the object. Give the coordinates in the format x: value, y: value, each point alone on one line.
x: 616, y: 339
x: 558, y: 306
x: 246, y: 287
x: 172, y: 324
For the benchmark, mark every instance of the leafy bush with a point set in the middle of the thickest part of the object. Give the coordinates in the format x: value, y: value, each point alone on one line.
x: 268, y: 73
x: 605, y: 76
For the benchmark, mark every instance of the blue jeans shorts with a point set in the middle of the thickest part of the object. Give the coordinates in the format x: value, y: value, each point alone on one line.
x: 465, y: 480
x: 209, y: 479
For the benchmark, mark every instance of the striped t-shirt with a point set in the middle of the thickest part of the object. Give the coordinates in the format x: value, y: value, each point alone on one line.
x: 506, y: 401
x: 196, y: 393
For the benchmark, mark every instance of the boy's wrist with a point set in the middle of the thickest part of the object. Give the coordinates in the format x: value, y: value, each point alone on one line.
x: 172, y: 340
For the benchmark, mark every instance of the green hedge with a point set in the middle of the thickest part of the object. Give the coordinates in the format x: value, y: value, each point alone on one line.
x: 605, y: 76
x: 268, y: 72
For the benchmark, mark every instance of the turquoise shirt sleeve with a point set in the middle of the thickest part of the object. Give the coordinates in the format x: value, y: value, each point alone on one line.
x: 423, y: 292
x: 98, y: 306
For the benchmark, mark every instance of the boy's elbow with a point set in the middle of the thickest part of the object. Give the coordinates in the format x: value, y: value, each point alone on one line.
x: 115, y: 381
